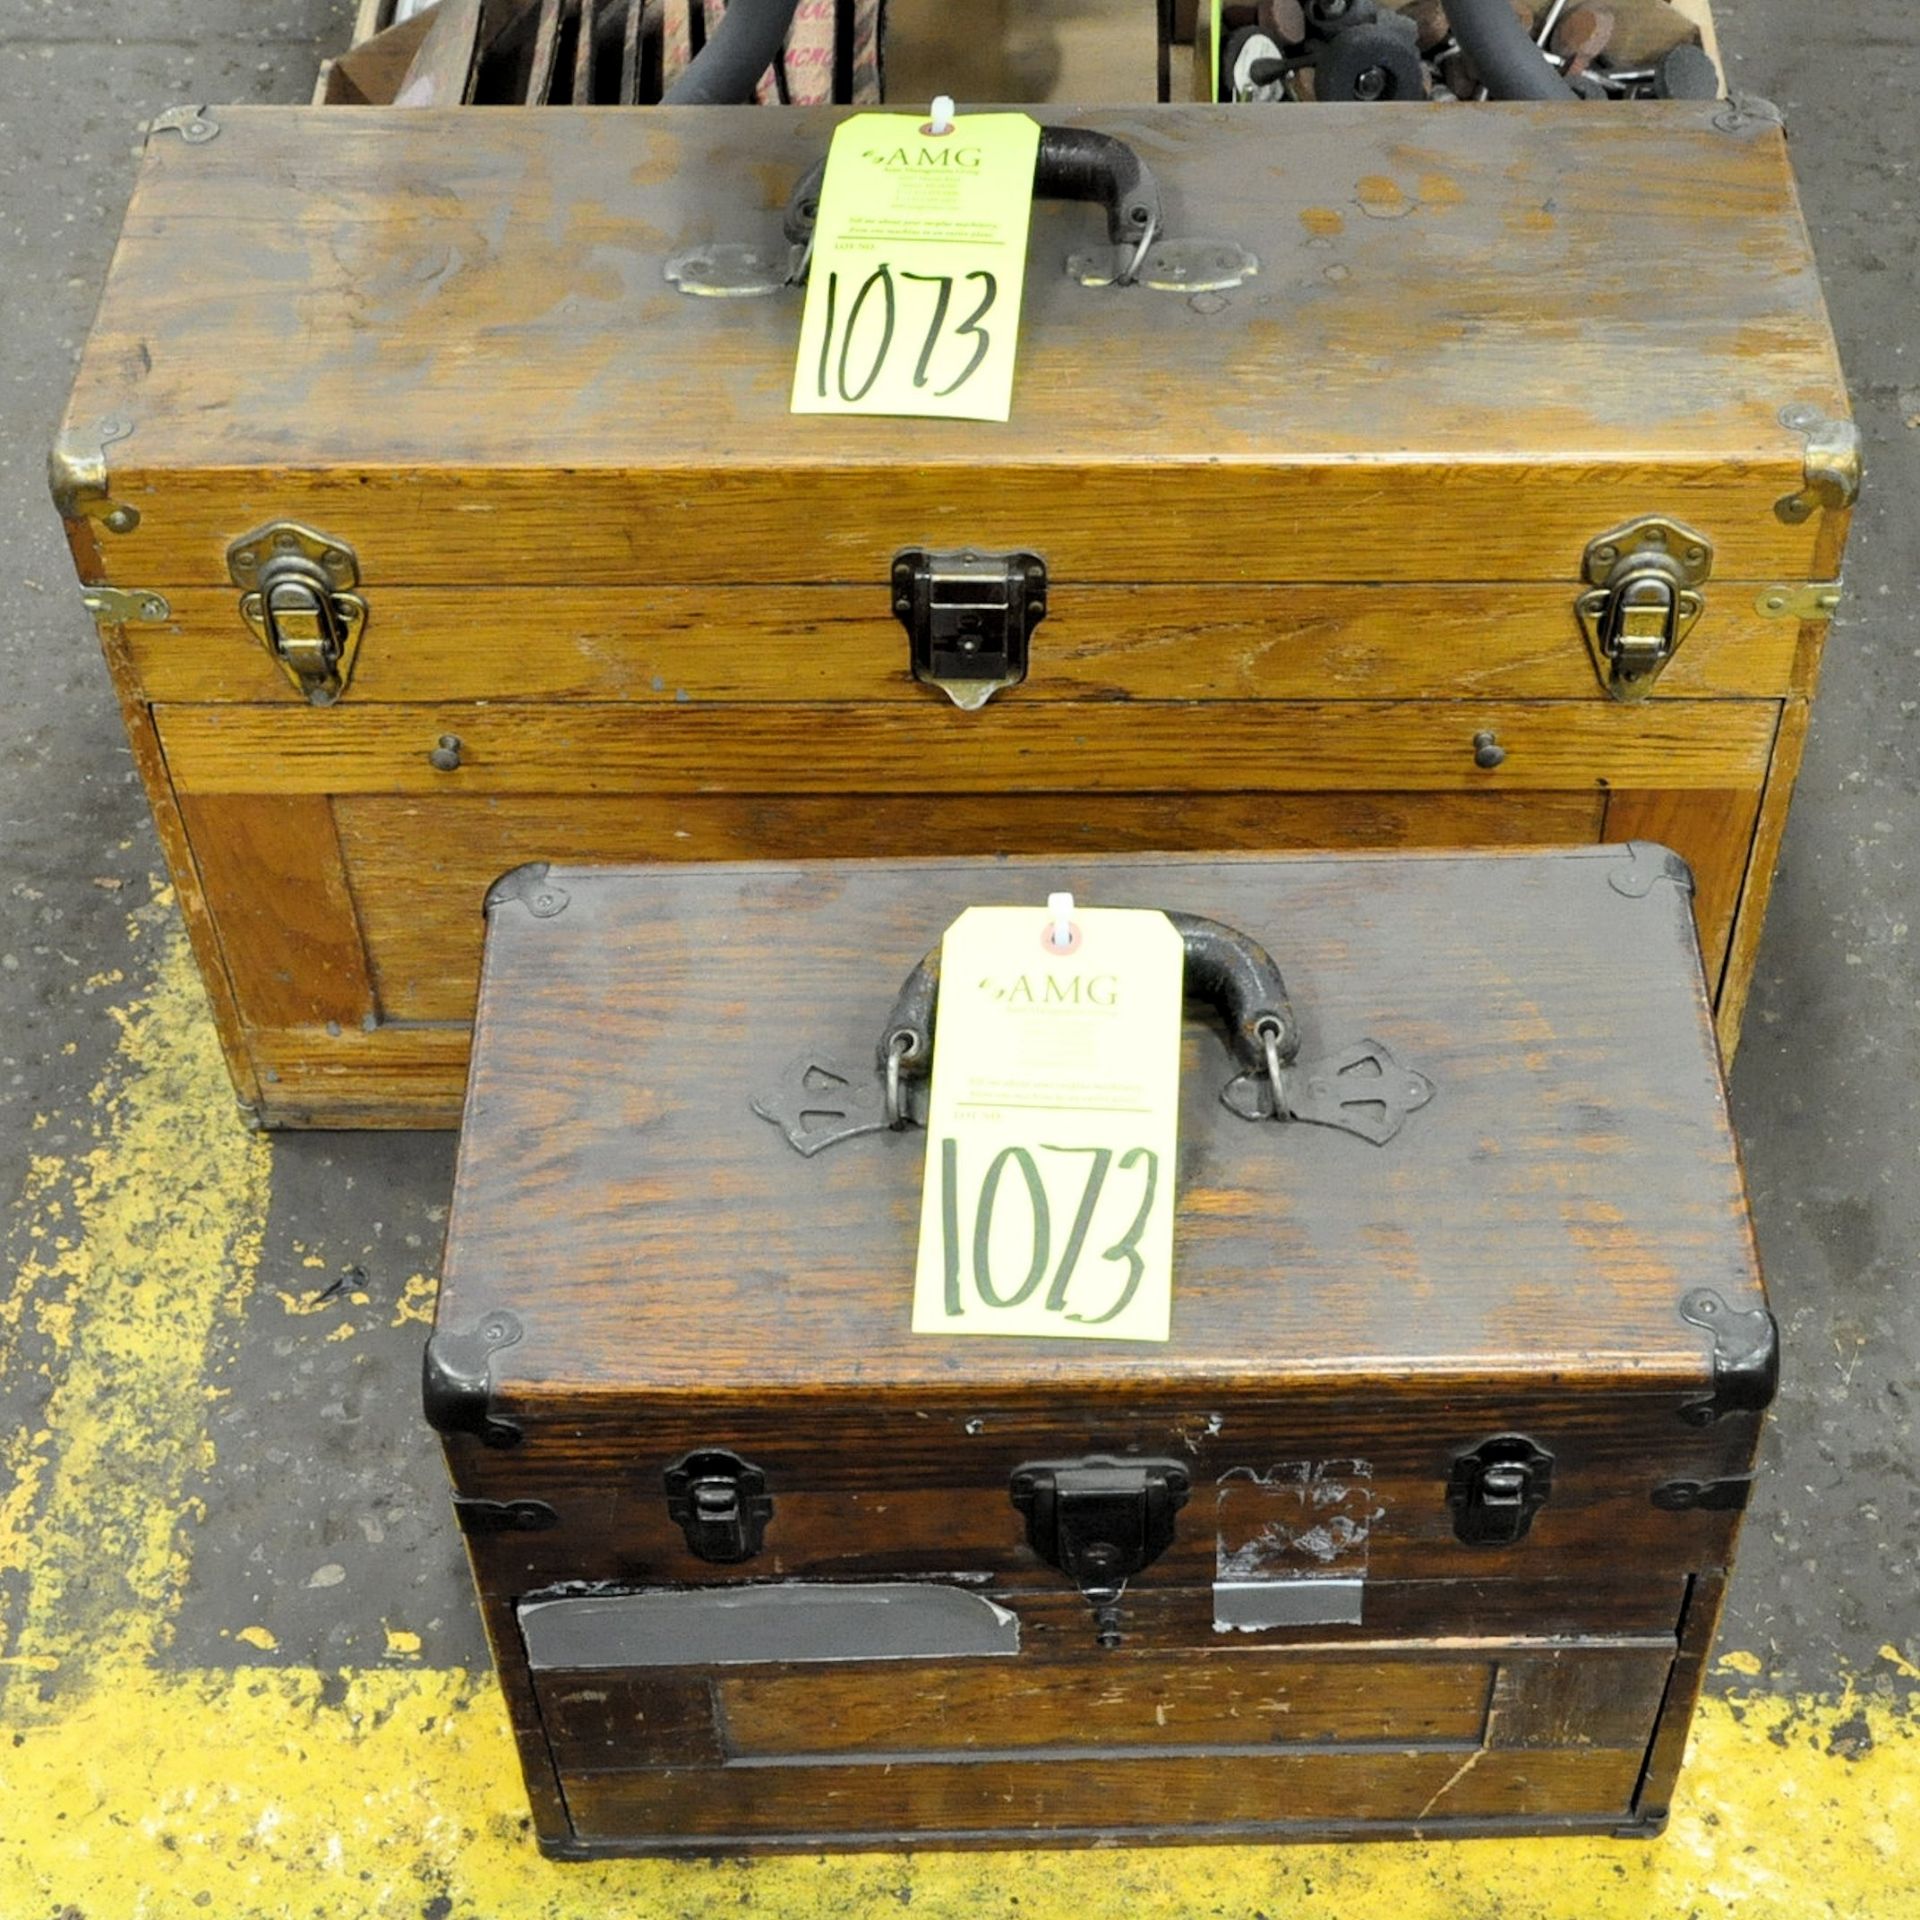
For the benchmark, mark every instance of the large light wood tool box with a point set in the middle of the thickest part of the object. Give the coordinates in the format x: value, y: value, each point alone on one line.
x: 1424, y: 1511
x: 402, y: 412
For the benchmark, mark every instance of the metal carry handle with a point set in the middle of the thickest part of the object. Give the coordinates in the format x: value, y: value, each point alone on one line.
x: 1360, y: 1089
x: 1074, y: 163
x: 1228, y: 970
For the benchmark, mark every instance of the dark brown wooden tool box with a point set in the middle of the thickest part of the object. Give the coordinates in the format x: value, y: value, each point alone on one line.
x: 1465, y: 1420
x: 1317, y: 545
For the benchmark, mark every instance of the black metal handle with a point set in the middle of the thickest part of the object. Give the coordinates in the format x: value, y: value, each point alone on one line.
x: 1232, y: 972
x: 1360, y: 1089
x: 1074, y: 163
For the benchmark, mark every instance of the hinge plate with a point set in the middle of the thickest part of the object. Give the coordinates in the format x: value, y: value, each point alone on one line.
x: 122, y: 606
x: 1703, y: 1496
x: 1820, y: 601
x: 504, y: 1516
x: 296, y: 596
x: 1642, y: 600
x: 968, y: 618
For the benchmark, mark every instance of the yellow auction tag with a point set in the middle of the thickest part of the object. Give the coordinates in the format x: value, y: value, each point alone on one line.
x: 1048, y: 1202
x: 919, y: 255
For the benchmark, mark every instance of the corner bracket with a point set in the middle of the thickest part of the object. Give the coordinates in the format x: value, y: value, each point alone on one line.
x: 77, y: 477
x: 456, y: 1380
x: 1746, y: 112
x: 1832, y: 465
x: 1646, y: 865
x: 542, y: 896
x: 195, y: 125
x: 1746, y: 1357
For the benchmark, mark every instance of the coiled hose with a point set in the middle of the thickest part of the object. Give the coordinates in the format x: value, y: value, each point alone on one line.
x: 727, y: 69
x: 1503, y: 52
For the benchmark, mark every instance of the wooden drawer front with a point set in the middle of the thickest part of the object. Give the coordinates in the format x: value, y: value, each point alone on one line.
x: 729, y: 643
x: 344, y: 874
x: 931, y: 747
x: 424, y: 941
x: 1070, y: 1799
x: 1214, y: 1738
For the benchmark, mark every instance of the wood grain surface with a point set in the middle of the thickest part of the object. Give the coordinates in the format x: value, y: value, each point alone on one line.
x: 1050, y: 1799
x: 1586, y: 1694
x: 1442, y: 371
x: 1196, y: 641
x: 511, y: 747
x: 419, y: 864
x: 1574, y: 1175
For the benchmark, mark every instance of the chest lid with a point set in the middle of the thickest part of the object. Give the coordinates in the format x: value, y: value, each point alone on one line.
x: 1463, y: 346
x: 1565, y: 1215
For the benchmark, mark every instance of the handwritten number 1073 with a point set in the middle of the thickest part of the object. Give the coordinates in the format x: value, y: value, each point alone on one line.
x: 1126, y: 1248
x: 879, y: 286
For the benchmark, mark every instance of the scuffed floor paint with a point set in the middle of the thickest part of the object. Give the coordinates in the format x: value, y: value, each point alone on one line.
x: 394, y: 1793
x: 132, y: 1792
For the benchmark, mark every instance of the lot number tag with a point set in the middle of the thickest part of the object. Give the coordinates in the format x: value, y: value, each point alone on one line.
x: 1048, y: 1202
x: 919, y: 255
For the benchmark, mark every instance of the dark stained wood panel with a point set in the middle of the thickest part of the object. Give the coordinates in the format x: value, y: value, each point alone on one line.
x: 1055, y: 1799
x: 1573, y: 1177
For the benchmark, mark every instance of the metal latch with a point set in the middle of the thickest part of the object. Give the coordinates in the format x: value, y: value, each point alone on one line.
x: 1100, y: 1521
x: 1496, y: 1490
x: 968, y: 618
x: 296, y: 596
x: 721, y: 1504
x: 1643, y: 599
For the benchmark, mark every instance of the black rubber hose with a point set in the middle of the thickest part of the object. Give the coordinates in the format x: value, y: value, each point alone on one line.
x: 729, y: 67
x: 1502, y: 51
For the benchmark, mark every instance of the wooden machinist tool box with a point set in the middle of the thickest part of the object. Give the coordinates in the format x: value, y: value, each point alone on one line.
x: 1442, y: 477
x: 1421, y: 1518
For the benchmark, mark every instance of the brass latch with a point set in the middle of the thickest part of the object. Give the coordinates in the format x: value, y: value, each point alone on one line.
x: 295, y: 594
x: 1643, y: 599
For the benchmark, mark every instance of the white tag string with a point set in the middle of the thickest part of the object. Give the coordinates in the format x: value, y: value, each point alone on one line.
x: 1060, y: 934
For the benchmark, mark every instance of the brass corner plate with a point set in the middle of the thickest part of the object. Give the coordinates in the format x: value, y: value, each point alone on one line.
x: 1831, y: 467
x: 77, y: 476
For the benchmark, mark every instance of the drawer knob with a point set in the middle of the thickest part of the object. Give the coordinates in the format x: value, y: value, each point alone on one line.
x: 445, y: 756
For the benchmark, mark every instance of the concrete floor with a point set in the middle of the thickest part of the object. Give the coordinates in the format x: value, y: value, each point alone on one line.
x: 242, y: 1669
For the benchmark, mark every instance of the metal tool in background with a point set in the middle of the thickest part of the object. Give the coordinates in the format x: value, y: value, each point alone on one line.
x: 1368, y: 50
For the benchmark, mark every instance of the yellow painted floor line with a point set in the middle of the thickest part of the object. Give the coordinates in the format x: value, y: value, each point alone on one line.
x: 251, y: 1795
x: 132, y: 1251
x: 132, y: 1792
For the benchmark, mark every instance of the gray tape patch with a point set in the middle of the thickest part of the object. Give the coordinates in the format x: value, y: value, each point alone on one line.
x: 1253, y: 1606
x: 736, y: 1626
x: 1292, y: 1544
